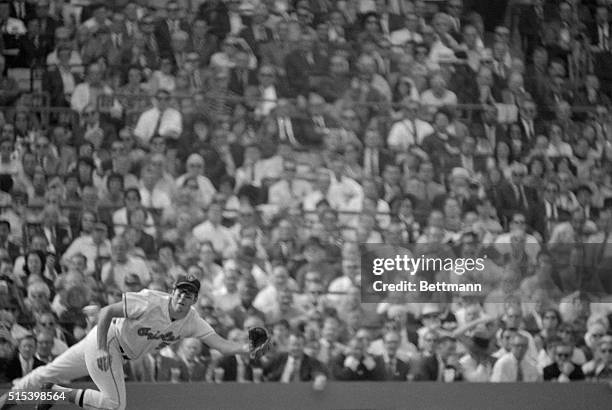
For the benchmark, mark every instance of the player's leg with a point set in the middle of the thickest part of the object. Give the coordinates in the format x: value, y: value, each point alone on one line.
x: 66, y: 367
x: 110, y: 382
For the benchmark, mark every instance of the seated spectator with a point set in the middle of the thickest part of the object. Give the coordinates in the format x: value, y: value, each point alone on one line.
x: 121, y: 265
x: 356, y: 364
x: 563, y: 370
x: 513, y: 367
x: 25, y: 360
x: 431, y: 367
x: 600, y: 368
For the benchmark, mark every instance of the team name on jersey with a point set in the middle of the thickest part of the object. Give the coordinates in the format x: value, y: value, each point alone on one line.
x: 157, y: 335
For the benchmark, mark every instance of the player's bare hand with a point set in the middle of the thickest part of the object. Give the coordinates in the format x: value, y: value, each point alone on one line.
x: 104, y: 360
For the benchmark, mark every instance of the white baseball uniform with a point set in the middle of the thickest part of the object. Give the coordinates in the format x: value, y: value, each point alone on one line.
x: 146, y: 327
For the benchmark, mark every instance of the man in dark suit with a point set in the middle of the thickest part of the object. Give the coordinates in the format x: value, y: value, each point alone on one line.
x: 294, y: 365
x: 236, y: 368
x: 24, y: 361
x: 58, y: 80
x: 563, y: 370
x: 467, y: 159
x: 530, y: 25
x: 257, y: 34
x: 375, y: 156
x: 216, y: 15
x: 454, y: 9
x: 601, y: 32
x: 190, y: 354
x: 297, y: 131
x: 13, y: 249
x: 231, y: 366
x: 514, y: 196
x: 164, y: 29
x: 241, y: 76
x: 531, y: 127
x: 488, y: 129
x: 304, y: 63
x: 285, y: 250
x: 442, y: 366
x: 25, y: 10
x: 388, y: 20
x: 357, y: 364
x: 58, y: 236
x: 395, y: 369
x: 34, y: 47
x: 548, y: 210
x: 153, y: 47
x: 47, y: 23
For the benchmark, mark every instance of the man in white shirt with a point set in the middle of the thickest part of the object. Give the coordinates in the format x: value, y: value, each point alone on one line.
x: 121, y: 265
x: 195, y: 169
x: 87, y: 92
x: 345, y: 194
x: 410, y: 32
x: 151, y: 195
x: 409, y: 131
x: 288, y: 190
x: 514, y: 366
x: 518, y: 238
x: 211, y: 230
x: 92, y: 246
x: 160, y: 120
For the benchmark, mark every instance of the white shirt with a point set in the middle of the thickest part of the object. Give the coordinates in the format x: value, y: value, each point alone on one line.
x: 505, y: 370
x: 147, y: 326
x: 206, y: 187
x: 14, y: 27
x: 339, y: 288
x: 433, y: 102
x: 67, y: 80
x: 86, y: 246
x: 118, y: 272
x: 157, y: 198
x: 26, y: 365
x: 401, y: 37
x: 269, y: 97
x: 280, y: 194
x: 82, y: 97
x: 171, y: 124
x: 402, y: 134
x: 221, y: 238
x: 345, y: 194
x: 75, y: 61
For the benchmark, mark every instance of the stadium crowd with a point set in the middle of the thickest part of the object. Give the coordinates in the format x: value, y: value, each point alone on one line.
x: 257, y: 145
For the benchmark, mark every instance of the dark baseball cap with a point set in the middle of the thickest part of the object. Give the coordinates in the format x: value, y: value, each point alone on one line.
x: 189, y: 282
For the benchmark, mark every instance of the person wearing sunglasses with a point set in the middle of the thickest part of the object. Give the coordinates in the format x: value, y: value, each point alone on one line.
x: 563, y: 369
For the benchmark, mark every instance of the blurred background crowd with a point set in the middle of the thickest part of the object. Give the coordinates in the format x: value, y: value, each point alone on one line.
x: 258, y: 144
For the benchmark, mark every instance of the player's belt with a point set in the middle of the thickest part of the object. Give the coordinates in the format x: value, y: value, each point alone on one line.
x: 125, y: 357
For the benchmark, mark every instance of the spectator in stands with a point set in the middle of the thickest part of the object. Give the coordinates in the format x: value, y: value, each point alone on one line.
x: 514, y: 366
x: 25, y: 361
x: 295, y: 365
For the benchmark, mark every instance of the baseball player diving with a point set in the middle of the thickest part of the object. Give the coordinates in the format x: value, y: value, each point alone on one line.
x: 142, y: 322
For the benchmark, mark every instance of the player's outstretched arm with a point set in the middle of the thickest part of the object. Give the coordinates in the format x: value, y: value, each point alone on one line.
x: 104, y: 320
x: 224, y: 346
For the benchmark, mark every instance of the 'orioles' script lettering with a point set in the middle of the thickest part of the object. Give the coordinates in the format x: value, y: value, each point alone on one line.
x: 165, y: 337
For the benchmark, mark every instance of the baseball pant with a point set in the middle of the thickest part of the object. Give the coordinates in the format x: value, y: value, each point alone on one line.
x: 79, y: 361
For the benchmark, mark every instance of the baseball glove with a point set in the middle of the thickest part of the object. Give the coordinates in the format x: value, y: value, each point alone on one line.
x: 259, y: 341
